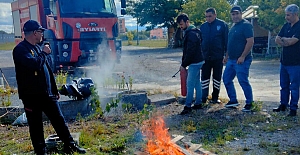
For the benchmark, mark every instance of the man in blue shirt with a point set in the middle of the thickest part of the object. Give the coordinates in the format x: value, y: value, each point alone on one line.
x: 288, y: 38
x: 238, y: 59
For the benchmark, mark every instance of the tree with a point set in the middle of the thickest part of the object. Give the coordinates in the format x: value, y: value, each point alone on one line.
x: 154, y: 13
x: 271, y: 13
x: 196, y: 10
x: 244, y: 4
x: 2, y: 32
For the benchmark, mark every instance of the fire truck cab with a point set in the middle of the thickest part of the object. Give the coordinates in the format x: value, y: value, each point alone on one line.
x: 79, y: 32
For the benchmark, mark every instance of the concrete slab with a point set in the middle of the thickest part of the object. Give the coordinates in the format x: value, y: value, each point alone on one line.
x: 161, y: 99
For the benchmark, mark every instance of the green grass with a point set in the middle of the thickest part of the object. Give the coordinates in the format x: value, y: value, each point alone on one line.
x: 147, y: 43
x: 7, y: 46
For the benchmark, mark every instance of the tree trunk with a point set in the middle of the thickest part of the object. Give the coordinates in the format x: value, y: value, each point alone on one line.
x: 171, y: 31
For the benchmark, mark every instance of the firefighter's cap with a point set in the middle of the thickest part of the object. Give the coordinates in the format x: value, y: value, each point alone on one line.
x: 236, y: 9
x: 32, y: 25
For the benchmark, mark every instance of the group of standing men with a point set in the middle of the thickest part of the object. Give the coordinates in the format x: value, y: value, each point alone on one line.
x: 214, y: 45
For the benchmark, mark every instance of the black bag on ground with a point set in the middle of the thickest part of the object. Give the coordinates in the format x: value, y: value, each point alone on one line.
x: 78, y: 89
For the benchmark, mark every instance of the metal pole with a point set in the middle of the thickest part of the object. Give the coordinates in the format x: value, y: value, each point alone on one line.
x: 4, y: 77
x: 137, y: 31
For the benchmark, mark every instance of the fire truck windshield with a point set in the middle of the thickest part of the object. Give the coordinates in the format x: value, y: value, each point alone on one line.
x: 90, y: 8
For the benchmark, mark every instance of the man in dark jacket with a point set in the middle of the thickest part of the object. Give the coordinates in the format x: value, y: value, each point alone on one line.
x: 192, y: 58
x: 214, y: 45
x: 37, y: 89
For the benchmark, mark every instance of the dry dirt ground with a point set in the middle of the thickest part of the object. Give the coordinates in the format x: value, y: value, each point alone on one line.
x: 152, y: 69
x: 258, y: 133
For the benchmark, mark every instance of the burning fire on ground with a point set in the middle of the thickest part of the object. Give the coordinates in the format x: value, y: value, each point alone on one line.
x: 159, y: 141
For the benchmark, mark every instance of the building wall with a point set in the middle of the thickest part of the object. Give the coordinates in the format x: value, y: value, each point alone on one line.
x: 6, y: 38
x: 258, y: 30
x: 122, y: 28
x: 157, y: 33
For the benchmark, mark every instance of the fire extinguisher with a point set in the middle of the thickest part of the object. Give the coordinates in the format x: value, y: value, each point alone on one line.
x: 183, y: 76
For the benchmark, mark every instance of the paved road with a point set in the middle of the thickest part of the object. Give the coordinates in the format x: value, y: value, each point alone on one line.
x: 152, y: 69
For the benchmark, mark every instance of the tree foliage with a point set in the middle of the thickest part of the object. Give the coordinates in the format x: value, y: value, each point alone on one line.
x: 163, y: 12
x: 244, y: 4
x: 155, y: 12
x: 196, y: 10
x: 3, y: 32
x: 270, y: 12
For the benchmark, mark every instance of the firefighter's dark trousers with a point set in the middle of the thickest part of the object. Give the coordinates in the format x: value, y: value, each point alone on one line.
x: 216, y: 67
x: 33, y: 109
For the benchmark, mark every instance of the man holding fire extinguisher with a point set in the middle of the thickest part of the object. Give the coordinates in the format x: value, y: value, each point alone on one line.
x: 193, y: 59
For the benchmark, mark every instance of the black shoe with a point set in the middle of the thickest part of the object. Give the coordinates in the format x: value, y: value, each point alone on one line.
x: 41, y: 151
x: 247, y: 108
x: 231, y: 104
x: 292, y: 113
x: 197, y: 106
x: 73, y: 147
x: 214, y: 102
x: 186, y: 110
x: 280, y: 108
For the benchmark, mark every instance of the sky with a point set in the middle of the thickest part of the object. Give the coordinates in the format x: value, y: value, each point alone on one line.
x: 6, y: 22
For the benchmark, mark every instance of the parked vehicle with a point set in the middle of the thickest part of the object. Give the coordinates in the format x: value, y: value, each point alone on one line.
x: 79, y: 32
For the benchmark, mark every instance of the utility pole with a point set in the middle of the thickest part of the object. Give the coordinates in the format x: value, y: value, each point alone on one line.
x: 137, y: 32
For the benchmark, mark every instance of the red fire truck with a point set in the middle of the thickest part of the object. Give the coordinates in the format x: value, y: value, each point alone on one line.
x: 79, y: 31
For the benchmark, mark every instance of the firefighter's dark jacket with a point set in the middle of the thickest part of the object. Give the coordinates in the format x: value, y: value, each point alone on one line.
x: 214, y: 39
x: 191, y: 47
x: 29, y: 66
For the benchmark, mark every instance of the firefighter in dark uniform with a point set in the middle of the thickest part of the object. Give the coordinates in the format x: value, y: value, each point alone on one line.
x: 37, y: 89
x: 214, y: 45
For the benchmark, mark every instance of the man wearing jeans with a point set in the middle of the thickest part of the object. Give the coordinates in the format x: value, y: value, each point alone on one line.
x: 192, y: 57
x: 238, y: 59
x: 288, y: 38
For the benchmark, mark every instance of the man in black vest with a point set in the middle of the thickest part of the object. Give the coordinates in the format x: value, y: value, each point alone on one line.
x: 37, y: 89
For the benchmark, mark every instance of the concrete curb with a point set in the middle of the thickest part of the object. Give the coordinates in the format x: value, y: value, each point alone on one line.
x: 161, y: 99
x: 72, y: 108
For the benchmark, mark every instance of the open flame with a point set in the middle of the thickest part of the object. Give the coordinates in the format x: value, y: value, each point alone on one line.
x: 159, y: 141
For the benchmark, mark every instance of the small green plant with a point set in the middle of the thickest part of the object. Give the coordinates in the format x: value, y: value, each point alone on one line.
x: 112, y: 104
x: 264, y: 144
x: 61, y: 78
x: 130, y: 38
x: 176, y: 95
x: 118, y: 82
x: 5, y: 94
x: 122, y: 81
x: 130, y: 82
x: 189, y: 126
x: 257, y: 106
x: 95, y: 101
x: 127, y: 107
